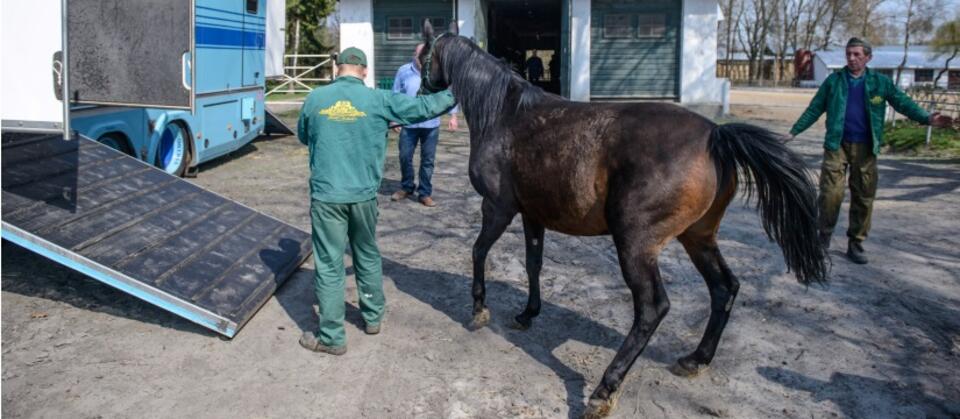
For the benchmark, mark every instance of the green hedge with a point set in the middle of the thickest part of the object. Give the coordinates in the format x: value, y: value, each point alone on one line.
x: 911, y: 137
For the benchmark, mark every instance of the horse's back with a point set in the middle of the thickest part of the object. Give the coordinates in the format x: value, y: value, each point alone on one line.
x: 564, y: 155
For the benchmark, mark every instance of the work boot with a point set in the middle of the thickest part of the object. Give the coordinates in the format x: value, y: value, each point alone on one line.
x: 825, y: 241
x: 372, y: 329
x: 427, y: 201
x: 399, y: 195
x: 310, y: 341
x: 855, y: 253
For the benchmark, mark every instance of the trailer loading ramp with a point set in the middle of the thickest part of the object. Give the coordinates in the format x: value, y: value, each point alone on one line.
x: 274, y: 125
x: 116, y: 219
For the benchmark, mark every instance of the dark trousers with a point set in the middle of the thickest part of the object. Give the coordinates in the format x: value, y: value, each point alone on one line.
x: 857, y: 160
x: 409, y: 137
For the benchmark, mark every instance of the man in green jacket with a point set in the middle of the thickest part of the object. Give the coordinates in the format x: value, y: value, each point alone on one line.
x: 344, y: 124
x: 855, y: 100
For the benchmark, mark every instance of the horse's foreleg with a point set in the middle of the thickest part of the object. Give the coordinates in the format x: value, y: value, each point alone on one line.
x: 495, y: 222
x: 650, y: 304
x: 723, y: 286
x: 533, y: 234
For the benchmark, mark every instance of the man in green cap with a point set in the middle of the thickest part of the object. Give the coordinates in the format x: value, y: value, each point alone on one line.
x: 855, y: 100
x: 344, y: 124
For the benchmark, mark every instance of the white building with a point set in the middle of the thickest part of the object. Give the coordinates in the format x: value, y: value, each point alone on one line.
x: 921, y: 69
x: 603, y: 49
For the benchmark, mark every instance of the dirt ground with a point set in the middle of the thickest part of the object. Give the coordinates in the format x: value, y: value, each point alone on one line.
x: 881, y: 341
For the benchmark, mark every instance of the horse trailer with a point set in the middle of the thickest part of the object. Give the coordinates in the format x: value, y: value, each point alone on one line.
x: 140, y: 91
x: 234, y: 44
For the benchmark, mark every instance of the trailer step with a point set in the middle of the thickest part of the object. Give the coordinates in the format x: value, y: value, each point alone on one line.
x: 159, y: 238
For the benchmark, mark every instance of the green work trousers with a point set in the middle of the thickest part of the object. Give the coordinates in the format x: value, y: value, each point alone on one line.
x: 333, y: 225
x: 858, y: 160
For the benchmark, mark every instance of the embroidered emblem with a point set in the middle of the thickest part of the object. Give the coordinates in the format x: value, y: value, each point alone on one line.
x: 342, y: 111
x: 876, y: 100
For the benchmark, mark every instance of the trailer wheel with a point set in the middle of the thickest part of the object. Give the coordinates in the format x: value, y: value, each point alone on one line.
x: 172, y: 152
x: 116, y: 142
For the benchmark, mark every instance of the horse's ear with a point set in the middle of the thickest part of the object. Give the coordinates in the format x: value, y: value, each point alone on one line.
x: 454, y: 28
x: 427, y: 32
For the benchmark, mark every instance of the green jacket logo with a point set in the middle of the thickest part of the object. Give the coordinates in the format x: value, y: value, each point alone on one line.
x: 876, y: 100
x: 342, y: 111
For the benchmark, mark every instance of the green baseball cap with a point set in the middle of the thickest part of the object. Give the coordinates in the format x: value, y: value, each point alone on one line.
x: 352, y: 55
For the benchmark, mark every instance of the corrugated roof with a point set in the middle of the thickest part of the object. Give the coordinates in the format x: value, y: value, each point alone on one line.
x: 889, y: 56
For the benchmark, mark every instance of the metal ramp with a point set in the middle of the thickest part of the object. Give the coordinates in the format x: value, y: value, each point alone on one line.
x: 173, y: 244
x: 274, y: 125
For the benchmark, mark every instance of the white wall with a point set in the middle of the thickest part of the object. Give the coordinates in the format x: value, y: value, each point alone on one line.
x: 906, y: 78
x: 30, y: 36
x: 820, y: 70
x: 276, y: 38
x: 356, y: 30
x: 467, y: 17
x: 698, y: 59
x: 580, y: 50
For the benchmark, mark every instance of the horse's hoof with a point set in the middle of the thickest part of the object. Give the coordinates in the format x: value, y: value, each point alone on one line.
x: 687, y: 367
x: 519, y: 323
x: 480, y: 319
x: 598, y: 408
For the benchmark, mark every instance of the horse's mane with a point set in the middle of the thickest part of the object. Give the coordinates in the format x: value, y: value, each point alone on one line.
x: 484, y: 86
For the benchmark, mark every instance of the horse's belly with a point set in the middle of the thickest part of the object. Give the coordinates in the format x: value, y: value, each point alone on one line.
x: 579, y: 214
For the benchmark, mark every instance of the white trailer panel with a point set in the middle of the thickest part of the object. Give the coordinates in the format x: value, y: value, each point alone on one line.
x: 30, y: 36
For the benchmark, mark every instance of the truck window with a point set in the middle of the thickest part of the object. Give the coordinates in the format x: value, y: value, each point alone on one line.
x: 252, y: 6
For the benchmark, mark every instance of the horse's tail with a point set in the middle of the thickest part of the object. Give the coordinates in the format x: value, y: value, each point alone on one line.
x: 786, y: 197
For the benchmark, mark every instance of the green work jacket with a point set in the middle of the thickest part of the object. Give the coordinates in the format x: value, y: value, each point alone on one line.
x: 344, y: 125
x: 832, y: 99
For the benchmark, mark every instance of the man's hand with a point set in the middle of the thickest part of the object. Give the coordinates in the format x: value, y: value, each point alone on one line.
x: 454, y: 123
x: 396, y: 128
x: 940, y: 121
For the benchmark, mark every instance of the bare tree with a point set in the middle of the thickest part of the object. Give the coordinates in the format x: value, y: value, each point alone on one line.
x: 757, y: 20
x: 733, y: 11
x: 920, y: 15
x: 862, y: 18
x: 946, y: 42
x: 787, y: 39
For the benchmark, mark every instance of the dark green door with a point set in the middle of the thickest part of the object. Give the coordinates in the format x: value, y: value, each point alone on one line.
x: 634, y: 49
x: 396, y: 31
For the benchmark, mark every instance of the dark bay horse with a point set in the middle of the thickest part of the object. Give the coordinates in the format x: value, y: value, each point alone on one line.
x: 644, y: 173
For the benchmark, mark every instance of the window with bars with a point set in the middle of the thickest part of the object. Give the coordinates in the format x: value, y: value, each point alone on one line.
x: 399, y: 28
x: 616, y: 26
x: 439, y: 24
x: 651, y: 25
x: 923, y: 75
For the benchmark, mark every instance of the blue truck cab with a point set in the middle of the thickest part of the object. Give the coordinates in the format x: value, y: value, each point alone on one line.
x: 230, y: 39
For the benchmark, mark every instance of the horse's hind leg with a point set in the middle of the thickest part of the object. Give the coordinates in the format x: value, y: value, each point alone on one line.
x: 638, y: 261
x: 723, y: 286
x: 495, y: 222
x: 533, y: 235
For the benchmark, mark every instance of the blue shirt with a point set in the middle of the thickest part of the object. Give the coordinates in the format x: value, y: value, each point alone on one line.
x: 856, y: 128
x: 407, y: 82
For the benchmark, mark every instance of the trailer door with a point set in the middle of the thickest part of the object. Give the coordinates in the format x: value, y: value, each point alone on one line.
x: 254, y: 41
x: 131, y: 52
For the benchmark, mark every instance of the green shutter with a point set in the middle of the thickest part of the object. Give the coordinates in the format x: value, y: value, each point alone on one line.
x: 641, y: 62
x: 390, y: 54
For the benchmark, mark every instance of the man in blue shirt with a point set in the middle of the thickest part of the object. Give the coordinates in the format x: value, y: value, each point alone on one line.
x: 426, y: 133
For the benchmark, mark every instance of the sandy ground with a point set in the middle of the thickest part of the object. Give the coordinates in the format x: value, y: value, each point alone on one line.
x: 881, y: 341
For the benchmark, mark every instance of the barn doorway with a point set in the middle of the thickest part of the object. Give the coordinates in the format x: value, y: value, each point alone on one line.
x: 519, y: 31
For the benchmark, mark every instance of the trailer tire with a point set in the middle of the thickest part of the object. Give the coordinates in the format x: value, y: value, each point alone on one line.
x: 117, y: 142
x: 173, y: 149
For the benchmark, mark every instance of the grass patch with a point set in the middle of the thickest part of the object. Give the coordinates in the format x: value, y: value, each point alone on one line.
x: 910, y: 138
x: 280, y: 97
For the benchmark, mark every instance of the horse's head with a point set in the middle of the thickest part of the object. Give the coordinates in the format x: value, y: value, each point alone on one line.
x: 433, y: 79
